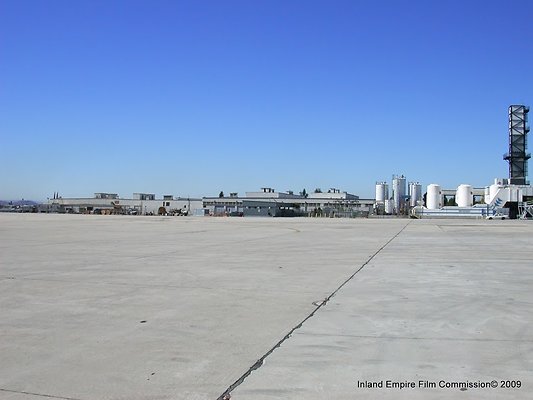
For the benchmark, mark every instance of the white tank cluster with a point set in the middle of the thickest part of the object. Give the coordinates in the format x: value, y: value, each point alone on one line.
x: 464, y: 195
x: 409, y: 198
x: 397, y: 201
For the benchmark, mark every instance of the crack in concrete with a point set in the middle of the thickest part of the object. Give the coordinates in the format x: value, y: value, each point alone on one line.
x: 259, y: 363
x: 38, y: 394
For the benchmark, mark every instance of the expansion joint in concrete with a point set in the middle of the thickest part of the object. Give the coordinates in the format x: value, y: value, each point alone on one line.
x: 226, y: 395
x: 48, y: 396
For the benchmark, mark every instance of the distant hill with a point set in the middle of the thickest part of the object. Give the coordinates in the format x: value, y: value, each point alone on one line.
x: 19, y: 202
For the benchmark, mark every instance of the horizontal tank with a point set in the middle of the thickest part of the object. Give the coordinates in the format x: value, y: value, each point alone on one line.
x: 434, y: 197
x: 464, y: 196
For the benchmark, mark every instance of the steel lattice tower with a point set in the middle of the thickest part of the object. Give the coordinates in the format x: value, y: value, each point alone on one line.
x: 517, y: 155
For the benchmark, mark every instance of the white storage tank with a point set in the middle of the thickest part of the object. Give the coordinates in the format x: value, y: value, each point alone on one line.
x: 415, y: 193
x: 464, y: 196
x: 493, y: 190
x: 382, y: 192
x: 487, y: 198
x: 434, y: 197
x: 389, y: 206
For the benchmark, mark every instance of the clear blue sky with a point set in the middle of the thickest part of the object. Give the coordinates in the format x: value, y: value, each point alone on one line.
x: 193, y: 97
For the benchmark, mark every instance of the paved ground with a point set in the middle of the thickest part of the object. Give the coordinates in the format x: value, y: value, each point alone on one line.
x: 97, y: 307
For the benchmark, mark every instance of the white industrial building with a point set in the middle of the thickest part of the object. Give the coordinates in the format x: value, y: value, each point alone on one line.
x: 266, y: 202
x: 139, y: 204
x: 269, y: 203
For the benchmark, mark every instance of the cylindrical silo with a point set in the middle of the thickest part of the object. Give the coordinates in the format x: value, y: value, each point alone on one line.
x: 382, y: 192
x: 415, y: 193
x: 434, y: 197
x: 398, y: 192
x: 493, y: 190
x: 464, y: 196
x: 487, y: 198
x: 389, y: 206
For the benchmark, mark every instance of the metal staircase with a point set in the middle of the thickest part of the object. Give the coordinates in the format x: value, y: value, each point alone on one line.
x: 525, y: 210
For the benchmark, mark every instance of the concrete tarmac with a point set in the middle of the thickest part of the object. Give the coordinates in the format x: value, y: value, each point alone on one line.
x: 105, y: 307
